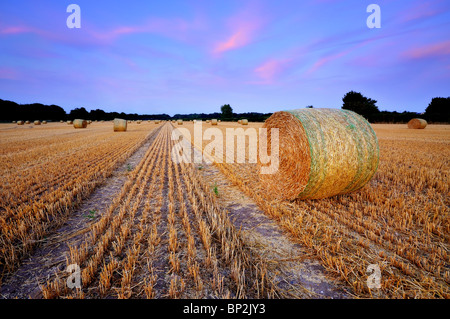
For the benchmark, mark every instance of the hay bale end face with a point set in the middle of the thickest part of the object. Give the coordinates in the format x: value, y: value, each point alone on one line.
x: 417, y: 123
x: 214, y: 122
x: 322, y: 153
x: 120, y: 125
x: 79, y: 123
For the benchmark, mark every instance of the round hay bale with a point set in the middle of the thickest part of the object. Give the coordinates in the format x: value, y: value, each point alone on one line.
x: 120, y: 125
x: 69, y: 122
x: 37, y: 122
x: 14, y: 122
x: 79, y: 123
x: 44, y: 122
x: 27, y: 122
x: 244, y: 122
x: 239, y: 121
x: 417, y: 123
x: 180, y: 122
x: 138, y: 122
x: 322, y: 153
x: 207, y: 121
x: 156, y: 121
x: 19, y: 122
x: 214, y: 122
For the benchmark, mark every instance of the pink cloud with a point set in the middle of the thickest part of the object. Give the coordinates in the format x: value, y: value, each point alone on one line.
x: 422, y: 10
x: 243, y: 27
x: 9, y: 73
x: 427, y: 51
x: 270, y: 69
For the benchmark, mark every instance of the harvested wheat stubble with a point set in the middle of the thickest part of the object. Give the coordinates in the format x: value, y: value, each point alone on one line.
x: 322, y: 153
x: 120, y: 125
x: 79, y: 123
x: 417, y: 123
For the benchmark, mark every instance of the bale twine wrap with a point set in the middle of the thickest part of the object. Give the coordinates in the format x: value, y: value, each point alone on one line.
x: 417, y: 123
x: 120, y: 125
x: 79, y: 123
x: 244, y: 122
x: 214, y: 122
x: 322, y: 153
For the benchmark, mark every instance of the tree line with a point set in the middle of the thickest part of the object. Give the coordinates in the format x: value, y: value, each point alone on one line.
x: 437, y: 111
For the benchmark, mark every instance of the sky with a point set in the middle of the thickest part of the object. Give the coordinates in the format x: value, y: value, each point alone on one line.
x: 154, y: 57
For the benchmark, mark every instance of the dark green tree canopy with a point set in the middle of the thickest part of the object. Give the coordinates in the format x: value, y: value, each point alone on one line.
x: 438, y: 110
x: 358, y: 103
x: 227, y: 111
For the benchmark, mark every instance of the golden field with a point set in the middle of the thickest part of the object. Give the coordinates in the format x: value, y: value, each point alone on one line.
x: 165, y: 234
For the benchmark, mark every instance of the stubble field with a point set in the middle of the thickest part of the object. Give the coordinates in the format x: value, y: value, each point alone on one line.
x: 165, y: 232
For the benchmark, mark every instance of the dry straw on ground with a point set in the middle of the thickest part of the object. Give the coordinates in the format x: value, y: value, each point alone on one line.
x: 417, y: 123
x: 322, y: 153
x: 120, y: 125
x: 79, y: 123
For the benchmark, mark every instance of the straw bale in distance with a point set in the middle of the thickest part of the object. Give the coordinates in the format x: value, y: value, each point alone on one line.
x: 69, y: 122
x: 79, y: 123
x: 37, y: 122
x: 417, y: 123
x: 19, y: 122
x: 120, y: 125
x: 44, y: 122
x: 244, y: 122
x: 322, y: 153
x: 214, y: 122
x: 27, y: 122
x: 180, y: 122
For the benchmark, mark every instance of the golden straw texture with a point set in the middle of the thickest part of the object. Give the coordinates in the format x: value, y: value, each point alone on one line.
x: 78, y: 123
x: 322, y: 153
x: 120, y: 125
x: 417, y: 123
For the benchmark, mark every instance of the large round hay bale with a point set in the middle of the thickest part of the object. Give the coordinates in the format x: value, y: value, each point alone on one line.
x: 37, y: 122
x: 417, y: 123
x: 239, y: 121
x: 79, y: 123
x: 44, y: 122
x: 19, y: 122
x: 322, y: 153
x: 156, y: 121
x: 27, y: 122
x: 180, y: 122
x: 244, y: 122
x: 120, y: 125
x: 214, y: 122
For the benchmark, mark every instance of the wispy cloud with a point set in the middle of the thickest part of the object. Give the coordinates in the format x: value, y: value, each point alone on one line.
x: 429, y: 51
x: 271, y: 69
x: 242, y: 30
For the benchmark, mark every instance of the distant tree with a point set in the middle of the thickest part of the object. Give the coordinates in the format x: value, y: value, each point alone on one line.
x: 227, y: 111
x: 356, y: 102
x: 438, y: 110
x: 79, y: 113
x: 310, y: 107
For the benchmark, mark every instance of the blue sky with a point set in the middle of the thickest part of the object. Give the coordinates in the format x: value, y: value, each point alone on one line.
x: 173, y: 57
